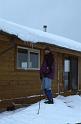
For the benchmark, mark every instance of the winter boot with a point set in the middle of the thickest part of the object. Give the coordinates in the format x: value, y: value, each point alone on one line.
x: 49, y: 102
x: 49, y: 96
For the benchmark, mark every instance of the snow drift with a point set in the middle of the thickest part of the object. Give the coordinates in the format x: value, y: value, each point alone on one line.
x: 65, y: 110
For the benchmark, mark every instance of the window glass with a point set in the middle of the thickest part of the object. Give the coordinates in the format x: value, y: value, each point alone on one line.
x: 67, y: 66
x: 22, y: 58
x: 34, y: 57
x: 66, y: 74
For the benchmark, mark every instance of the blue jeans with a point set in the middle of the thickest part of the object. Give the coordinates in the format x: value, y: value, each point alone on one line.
x: 46, y: 83
x: 46, y: 86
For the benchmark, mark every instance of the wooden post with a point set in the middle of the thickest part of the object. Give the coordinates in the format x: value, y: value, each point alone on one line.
x: 58, y: 75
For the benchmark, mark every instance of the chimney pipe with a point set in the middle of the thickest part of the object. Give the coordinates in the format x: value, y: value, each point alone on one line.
x: 45, y: 28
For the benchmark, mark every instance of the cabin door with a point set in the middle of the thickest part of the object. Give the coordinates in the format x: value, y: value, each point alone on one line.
x: 70, y: 74
x: 74, y: 73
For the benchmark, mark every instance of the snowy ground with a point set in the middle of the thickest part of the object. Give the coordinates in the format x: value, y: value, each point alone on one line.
x: 65, y: 110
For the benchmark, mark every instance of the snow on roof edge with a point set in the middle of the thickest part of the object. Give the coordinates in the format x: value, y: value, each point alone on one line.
x: 34, y: 35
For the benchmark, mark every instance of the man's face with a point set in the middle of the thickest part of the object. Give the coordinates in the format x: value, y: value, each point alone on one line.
x: 47, y: 51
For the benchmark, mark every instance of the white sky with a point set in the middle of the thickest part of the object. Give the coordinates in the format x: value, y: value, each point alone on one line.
x: 63, y: 17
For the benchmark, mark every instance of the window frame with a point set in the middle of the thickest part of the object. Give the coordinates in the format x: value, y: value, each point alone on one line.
x: 29, y: 51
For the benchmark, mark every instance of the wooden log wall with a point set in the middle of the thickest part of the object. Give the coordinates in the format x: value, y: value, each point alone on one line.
x: 16, y: 83
x: 79, y: 73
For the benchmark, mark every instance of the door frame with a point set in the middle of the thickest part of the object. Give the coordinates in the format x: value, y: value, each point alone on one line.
x: 69, y: 57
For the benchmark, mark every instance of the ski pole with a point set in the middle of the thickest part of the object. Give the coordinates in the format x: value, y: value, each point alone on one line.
x: 39, y: 107
x: 40, y: 100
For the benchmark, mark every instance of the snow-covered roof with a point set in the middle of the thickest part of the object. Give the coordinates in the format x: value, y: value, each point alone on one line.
x: 33, y: 35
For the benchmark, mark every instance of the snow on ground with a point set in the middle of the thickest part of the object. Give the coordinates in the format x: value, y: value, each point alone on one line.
x: 65, y: 110
x: 33, y: 35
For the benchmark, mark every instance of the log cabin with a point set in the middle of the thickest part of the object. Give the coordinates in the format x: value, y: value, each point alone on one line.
x: 21, y: 55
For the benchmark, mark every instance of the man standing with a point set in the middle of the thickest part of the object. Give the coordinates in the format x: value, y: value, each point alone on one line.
x: 47, y: 74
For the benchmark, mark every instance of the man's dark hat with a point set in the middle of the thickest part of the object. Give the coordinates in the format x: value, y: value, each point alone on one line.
x: 47, y: 48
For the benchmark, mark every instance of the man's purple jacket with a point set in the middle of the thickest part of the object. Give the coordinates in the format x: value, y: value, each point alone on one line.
x: 46, y: 72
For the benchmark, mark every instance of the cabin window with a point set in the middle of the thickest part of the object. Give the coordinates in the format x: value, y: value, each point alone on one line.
x: 22, y: 58
x: 34, y: 60
x: 28, y: 58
